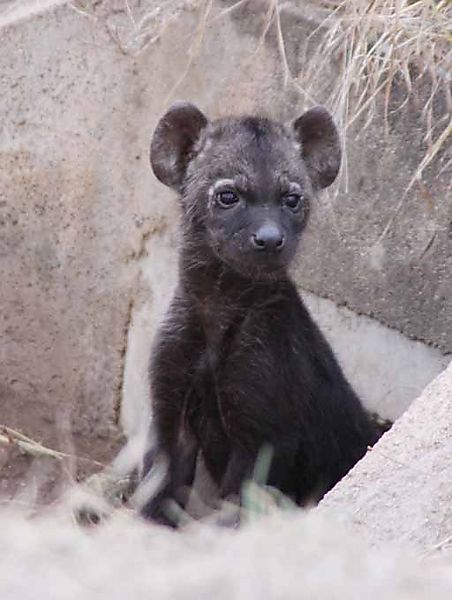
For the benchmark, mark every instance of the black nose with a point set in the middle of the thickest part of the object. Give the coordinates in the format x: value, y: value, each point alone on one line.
x: 268, y: 237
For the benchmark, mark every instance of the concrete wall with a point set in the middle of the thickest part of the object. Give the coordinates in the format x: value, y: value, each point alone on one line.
x: 387, y: 369
x: 88, y: 237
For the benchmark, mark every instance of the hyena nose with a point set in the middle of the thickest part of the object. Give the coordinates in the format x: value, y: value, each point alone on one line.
x: 268, y: 237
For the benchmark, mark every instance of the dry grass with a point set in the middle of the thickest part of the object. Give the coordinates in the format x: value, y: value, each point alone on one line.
x: 378, y: 44
x: 137, y: 26
x: 379, y: 47
x: 375, y: 44
x: 11, y: 437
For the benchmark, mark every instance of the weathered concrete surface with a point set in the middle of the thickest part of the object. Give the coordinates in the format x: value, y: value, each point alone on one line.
x: 65, y: 281
x: 87, y: 236
x: 401, y: 492
x: 405, y: 279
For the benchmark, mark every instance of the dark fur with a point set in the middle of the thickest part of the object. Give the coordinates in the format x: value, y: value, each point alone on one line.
x: 239, y: 363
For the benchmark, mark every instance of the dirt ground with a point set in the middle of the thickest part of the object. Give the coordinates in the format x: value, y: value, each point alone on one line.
x: 280, y: 556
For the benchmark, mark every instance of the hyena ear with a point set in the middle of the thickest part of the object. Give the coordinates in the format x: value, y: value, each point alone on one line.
x: 320, y: 145
x: 173, y: 141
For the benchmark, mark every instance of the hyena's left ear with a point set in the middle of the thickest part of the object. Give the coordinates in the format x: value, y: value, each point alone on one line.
x: 173, y: 141
x: 320, y: 145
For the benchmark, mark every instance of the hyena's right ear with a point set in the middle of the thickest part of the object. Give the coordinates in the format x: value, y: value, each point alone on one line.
x: 173, y: 141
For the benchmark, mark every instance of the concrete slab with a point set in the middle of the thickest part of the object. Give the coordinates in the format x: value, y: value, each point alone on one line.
x: 401, y: 491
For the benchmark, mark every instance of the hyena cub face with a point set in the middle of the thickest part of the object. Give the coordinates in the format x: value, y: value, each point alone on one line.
x: 246, y: 182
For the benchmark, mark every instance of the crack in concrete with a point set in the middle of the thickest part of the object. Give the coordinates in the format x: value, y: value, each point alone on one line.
x: 123, y: 353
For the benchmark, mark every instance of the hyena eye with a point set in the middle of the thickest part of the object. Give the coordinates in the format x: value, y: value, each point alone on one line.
x: 226, y: 198
x: 292, y: 201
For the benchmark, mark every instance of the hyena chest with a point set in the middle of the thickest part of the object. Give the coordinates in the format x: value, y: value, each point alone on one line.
x: 208, y: 410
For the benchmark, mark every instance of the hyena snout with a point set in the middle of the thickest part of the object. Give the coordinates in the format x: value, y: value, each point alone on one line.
x: 268, y: 238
